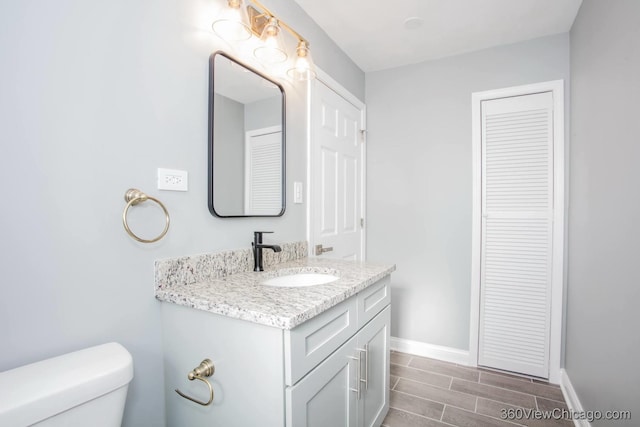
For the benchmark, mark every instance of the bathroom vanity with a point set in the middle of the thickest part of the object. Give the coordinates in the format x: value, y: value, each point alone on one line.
x: 284, y: 356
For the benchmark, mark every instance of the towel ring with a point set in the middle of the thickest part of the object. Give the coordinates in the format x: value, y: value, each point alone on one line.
x: 133, y: 197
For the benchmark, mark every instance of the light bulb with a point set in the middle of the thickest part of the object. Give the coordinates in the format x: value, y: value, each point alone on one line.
x: 233, y: 23
x: 303, y: 68
x: 272, y: 50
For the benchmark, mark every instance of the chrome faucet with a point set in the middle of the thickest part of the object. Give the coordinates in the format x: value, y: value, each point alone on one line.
x: 258, y: 247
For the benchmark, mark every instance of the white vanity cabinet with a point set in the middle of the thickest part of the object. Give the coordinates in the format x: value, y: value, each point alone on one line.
x: 350, y: 387
x: 332, y: 370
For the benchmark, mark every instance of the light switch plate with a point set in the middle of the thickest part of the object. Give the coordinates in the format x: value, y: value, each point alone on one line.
x: 297, y: 192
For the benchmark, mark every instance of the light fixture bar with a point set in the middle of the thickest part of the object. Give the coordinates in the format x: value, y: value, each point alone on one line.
x: 259, y: 20
x: 239, y: 23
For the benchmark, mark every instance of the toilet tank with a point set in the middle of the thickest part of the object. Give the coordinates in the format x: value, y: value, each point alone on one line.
x: 86, y: 387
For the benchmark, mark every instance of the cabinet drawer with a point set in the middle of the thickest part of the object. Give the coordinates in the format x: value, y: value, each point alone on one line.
x: 373, y: 300
x: 310, y: 343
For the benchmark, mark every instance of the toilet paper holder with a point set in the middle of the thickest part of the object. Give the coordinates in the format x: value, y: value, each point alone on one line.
x: 204, y: 369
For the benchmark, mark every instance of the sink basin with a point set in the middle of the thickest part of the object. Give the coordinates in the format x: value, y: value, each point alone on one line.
x: 301, y: 280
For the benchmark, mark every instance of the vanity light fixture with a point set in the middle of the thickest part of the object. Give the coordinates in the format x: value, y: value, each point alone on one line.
x: 303, y: 68
x: 268, y: 27
x: 233, y: 23
x: 272, y: 48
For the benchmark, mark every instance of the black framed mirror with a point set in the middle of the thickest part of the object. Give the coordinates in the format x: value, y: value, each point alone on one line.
x: 246, y: 141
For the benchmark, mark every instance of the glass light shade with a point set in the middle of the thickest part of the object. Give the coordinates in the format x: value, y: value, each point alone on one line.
x: 303, y: 69
x: 272, y: 49
x: 233, y: 23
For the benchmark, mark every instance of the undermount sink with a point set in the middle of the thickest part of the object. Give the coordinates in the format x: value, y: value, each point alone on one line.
x: 301, y: 280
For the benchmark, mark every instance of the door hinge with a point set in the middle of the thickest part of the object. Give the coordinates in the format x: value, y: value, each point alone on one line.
x: 361, y: 222
x: 363, y: 134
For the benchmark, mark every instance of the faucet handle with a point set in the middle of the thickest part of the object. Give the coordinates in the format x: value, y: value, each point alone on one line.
x: 257, y: 235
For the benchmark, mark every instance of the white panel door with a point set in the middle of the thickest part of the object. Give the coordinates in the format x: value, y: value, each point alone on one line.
x: 336, y: 180
x: 517, y: 233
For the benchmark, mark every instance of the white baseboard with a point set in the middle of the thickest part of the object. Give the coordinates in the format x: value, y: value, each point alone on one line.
x: 417, y: 348
x: 571, y: 398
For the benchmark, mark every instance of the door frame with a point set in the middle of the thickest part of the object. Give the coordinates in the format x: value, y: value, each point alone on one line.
x: 332, y: 84
x: 556, y: 87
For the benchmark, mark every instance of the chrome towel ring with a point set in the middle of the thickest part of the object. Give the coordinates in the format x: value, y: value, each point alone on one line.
x: 133, y: 197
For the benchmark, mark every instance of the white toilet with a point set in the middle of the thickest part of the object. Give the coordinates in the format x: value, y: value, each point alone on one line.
x: 83, y: 388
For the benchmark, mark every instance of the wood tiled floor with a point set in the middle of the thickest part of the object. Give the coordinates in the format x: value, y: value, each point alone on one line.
x: 429, y: 392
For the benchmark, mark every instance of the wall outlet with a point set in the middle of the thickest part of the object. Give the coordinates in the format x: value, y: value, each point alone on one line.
x: 173, y: 179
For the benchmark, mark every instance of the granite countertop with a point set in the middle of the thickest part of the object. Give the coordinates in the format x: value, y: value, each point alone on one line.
x: 242, y: 296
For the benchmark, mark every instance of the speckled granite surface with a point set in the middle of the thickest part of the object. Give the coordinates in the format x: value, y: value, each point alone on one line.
x: 206, y: 267
x: 242, y: 296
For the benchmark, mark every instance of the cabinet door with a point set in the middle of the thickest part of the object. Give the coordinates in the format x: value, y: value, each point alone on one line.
x: 373, y: 338
x: 325, y: 397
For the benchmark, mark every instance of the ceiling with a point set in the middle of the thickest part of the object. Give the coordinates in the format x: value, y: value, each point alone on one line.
x: 376, y: 34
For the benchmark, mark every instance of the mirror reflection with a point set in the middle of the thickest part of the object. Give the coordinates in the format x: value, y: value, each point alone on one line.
x: 246, y: 141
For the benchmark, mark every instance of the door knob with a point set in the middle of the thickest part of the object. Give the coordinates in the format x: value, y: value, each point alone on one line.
x: 320, y: 250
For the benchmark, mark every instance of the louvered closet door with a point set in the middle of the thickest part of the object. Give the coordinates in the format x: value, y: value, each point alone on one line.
x: 263, y: 172
x: 517, y: 227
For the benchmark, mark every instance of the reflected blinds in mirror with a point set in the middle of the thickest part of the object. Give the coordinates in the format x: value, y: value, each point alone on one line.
x: 264, y: 171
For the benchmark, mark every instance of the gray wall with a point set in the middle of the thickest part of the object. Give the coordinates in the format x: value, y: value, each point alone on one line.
x: 228, y: 154
x: 603, y: 342
x: 326, y: 54
x: 95, y: 97
x: 419, y: 177
x: 263, y: 113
